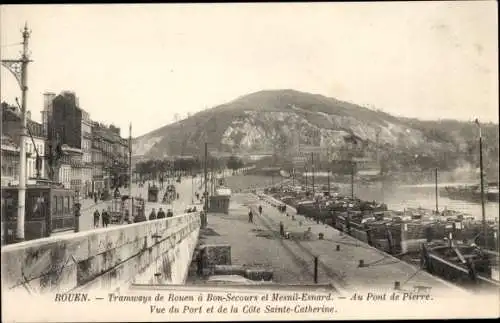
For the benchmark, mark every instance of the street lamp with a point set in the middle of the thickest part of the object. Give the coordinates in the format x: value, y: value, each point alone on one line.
x: 19, y: 68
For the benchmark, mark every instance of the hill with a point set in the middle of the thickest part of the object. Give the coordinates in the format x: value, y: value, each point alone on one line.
x: 277, y: 120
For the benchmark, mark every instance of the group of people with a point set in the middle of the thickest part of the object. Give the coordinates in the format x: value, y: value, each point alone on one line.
x: 98, y: 196
x: 104, y: 216
x: 250, y: 214
x: 160, y: 215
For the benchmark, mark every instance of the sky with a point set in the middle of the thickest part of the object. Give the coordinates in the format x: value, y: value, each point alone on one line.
x: 146, y: 63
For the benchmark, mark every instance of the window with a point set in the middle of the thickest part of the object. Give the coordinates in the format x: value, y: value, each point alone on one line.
x: 59, y: 203
x: 54, y: 206
x: 68, y: 206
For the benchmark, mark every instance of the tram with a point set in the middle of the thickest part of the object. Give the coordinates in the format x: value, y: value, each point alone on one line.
x: 48, y: 210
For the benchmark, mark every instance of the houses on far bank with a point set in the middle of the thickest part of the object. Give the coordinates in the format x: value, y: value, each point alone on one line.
x: 90, y: 155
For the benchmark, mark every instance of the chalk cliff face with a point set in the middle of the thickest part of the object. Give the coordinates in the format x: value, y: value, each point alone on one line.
x: 279, y: 120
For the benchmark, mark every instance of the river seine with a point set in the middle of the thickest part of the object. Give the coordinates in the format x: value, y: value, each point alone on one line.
x: 399, y: 197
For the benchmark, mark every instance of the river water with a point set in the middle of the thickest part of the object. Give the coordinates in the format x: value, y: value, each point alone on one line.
x: 399, y: 197
x: 396, y: 196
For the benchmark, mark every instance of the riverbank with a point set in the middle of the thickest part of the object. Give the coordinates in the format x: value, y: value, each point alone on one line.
x: 292, y: 260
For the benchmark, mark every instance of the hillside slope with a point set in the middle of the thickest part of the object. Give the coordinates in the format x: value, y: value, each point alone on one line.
x: 277, y: 120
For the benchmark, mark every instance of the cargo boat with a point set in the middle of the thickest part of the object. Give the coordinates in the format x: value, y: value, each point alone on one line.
x: 463, y: 264
x: 399, y: 233
x: 471, y: 193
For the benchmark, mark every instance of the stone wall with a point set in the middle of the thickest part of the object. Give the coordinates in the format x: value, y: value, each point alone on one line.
x: 108, y: 258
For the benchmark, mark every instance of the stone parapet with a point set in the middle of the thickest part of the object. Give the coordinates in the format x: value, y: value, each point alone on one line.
x: 108, y: 258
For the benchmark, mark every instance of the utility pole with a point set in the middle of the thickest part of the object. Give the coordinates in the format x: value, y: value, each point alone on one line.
x: 131, y: 199
x: 436, y: 189
x: 481, y: 171
x: 312, y: 167
x: 19, y: 68
x: 192, y: 185
x: 352, y: 179
x: 328, y: 170
x: 206, y: 177
x: 305, y: 173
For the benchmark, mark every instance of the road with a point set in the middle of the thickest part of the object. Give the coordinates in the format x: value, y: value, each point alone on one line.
x: 186, y: 197
x: 178, y: 206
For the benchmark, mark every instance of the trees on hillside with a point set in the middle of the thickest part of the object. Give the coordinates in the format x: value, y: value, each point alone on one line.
x: 234, y: 163
x: 154, y: 168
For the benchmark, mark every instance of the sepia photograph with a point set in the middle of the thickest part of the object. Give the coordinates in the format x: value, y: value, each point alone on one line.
x: 249, y: 161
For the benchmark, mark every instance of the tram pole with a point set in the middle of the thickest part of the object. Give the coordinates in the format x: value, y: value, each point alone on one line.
x: 352, y: 179
x: 312, y: 168
x: 19, y: 68
x: 130, y: 171
x: 206, y: 178
x: 328, y: 170
x: 436, y: 189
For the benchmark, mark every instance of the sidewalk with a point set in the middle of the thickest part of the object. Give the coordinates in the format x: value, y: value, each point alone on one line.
x: 254, y: 244
x: 293, y: 259
x: 178, y: 206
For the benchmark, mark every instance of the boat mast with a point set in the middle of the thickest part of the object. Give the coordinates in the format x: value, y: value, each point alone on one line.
x: 436, y: 189
x: 312, y: 167
x: 482, y: 184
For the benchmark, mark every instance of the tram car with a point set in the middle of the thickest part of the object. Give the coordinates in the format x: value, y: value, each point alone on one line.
x: 47, y: 210
x: 153, y: 192
x: 170, y: 194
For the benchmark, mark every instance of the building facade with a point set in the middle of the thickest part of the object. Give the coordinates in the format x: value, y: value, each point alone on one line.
x: 35, y: 144
x: 10, y: 161
x: 86, y: 171
x: 109, y: 155
x: 65, y: 127
x: 92, y: 151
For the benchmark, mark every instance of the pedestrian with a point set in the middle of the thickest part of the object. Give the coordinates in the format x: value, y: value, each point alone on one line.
x: 282, y: 229
x: 250, y: 217
x: 104, y: 216
x: 107, y: 218
x: 140, y: 217
x: 260, y: 209
x: 95, y: 197
x: 126, y: 217
x: 96, y: 218
x: 152, y: 215
x: 161, y: 214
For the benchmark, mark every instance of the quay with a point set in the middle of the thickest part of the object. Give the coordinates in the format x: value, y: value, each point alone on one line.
x: 292, y: 261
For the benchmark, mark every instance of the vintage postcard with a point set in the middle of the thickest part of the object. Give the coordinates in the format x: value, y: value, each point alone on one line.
x: 249, y: 161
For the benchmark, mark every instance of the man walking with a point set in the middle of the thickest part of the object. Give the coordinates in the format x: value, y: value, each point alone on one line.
x: 105, y: 218
x: 260, y: 209
x: 96, y: 218
x: 250, y: 217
